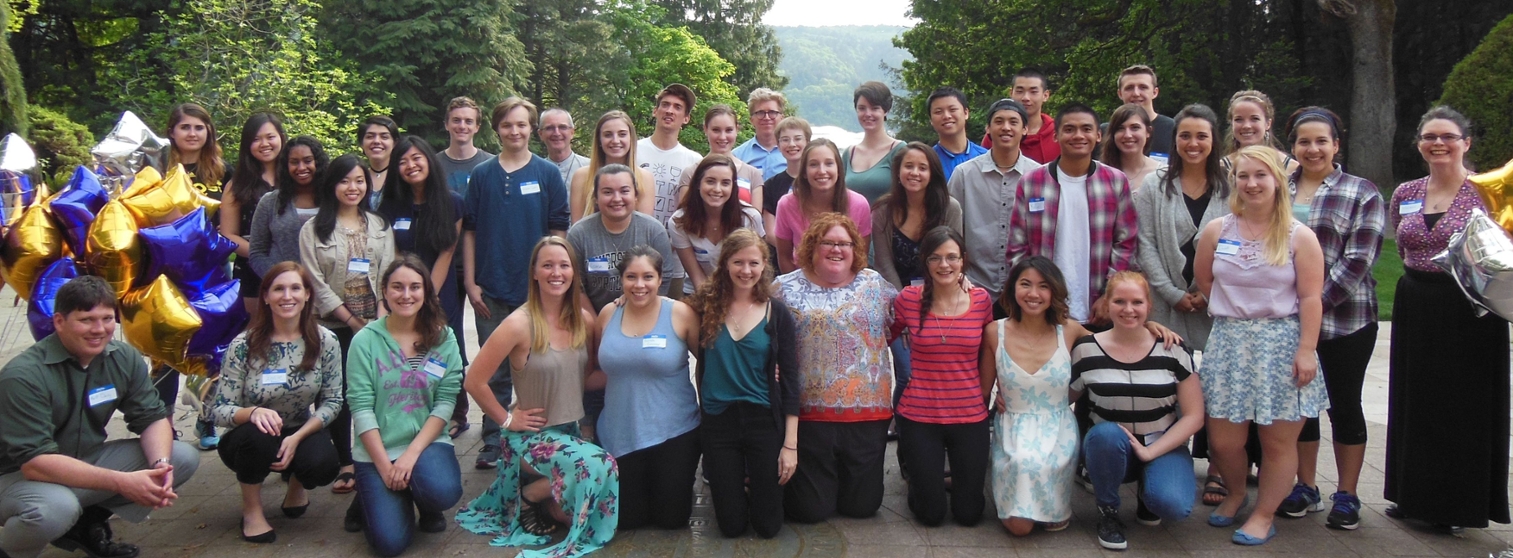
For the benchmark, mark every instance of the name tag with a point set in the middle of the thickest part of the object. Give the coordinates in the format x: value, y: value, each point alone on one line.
x: 531, y: 187
x: 102, y: 395
x: 357, y: 265
x: 1228, y: 247
x: 654, y: 342
x: 917, y: 282
x: 401, y: 224
x: 276, y: 377
x: 1161, y: 158
x: 598, y: 264
x: 1037, y: 205
x: 1151, y: 438
x: 435, y: 368
x: 1410, y: 207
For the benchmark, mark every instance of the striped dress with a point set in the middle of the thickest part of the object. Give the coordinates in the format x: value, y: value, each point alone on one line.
x: 945, y: 387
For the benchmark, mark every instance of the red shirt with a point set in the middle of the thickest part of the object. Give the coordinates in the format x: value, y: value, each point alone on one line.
x: 946, y: 387
x: 1041, y: 146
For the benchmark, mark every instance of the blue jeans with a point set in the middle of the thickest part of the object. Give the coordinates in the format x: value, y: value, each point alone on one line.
x: 435, y: 486
x: 903, y: 369
x: 1166, y: 482
x: 500, y: 383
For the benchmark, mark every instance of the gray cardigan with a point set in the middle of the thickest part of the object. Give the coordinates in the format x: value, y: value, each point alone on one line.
x: 1165, y: 225
x: 273, y: 238
x: 882, y: 239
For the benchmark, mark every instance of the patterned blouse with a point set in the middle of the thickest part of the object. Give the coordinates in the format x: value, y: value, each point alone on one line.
x: 844, y: 363
x: 1416, y: 242
x: 278, y: 384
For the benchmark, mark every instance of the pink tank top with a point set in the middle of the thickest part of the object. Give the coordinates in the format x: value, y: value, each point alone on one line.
x: 1247, y: 287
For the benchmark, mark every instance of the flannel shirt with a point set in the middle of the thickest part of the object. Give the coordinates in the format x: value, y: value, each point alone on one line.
x: 1112, y: 222
x: 1348, y: 215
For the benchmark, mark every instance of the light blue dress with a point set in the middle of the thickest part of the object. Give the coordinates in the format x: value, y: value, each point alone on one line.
x: 1034, y: 444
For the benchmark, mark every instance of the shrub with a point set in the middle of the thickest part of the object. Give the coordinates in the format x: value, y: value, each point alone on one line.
x: 60, y: 143
x: 1481, y: 87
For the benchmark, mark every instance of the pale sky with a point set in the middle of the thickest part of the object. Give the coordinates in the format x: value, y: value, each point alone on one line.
x: 788, y: 13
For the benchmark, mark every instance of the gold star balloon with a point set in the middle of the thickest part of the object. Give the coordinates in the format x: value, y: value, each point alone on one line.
x: 1496, y: 188
x: 149, y: 202
x: 159, y: 321
x: 112, y: 248
x: 32, y: 242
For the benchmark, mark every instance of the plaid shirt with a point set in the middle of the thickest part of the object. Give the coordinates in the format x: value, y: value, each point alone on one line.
x: 1348, y: 215
x: 1112, y: 223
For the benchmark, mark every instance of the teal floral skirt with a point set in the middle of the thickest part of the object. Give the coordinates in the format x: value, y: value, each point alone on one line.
x: 584, y: 479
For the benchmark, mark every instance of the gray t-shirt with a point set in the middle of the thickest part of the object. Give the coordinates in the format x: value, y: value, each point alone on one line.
x: 599, y: 253
x: 568, y: 166
x: 457, y: 172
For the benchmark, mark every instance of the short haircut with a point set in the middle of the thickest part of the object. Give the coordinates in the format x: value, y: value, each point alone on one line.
x: 1075, y: 108
x: 504, y: 107
x: 1137, y: 69
x: 682, y: 92
x: 944, y: 92
x: 874, y: 92
x: 1031, y: 73
x: 82, y: 294
x: 541, y: 121
x: 463, y: 102
x: 1009, y: 104
x: 763, y: 94
x: 796, y: 123
x: 377, y: 120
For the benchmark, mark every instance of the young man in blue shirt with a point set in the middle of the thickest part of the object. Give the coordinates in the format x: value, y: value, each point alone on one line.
x: 948, y: 115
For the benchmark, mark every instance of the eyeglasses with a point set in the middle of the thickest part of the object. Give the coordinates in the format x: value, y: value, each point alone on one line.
x: 1447, y: 138
x: 557, y: 129
x: 952, y: 259
x: 833, y: 245
x: 766, y: 114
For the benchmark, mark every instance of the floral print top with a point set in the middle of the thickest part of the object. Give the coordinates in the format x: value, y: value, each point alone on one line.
x: 279, y: 384
x: 1416, y: 242
x: 844, y: 364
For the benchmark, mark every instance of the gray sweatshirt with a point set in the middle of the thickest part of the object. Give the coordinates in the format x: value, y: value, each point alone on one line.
x: 274, y: 237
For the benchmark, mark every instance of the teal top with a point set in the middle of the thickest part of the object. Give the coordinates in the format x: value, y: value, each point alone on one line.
x: 876, y: 181
x: 396, y: 396
x: 736, y: 370
x: 1301, y: 211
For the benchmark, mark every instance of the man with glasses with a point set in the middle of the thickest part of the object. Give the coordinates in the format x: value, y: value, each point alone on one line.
x: 761, y: 151
x: 556, y: 133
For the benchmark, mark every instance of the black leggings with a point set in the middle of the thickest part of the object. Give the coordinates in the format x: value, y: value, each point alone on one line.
x: 249, y: 452
x: 341, y: 426
x: 926, y: 447
x: 840, y: 470
x: 656, y: 483
x: 1342, y: 363
x: 740, y: 443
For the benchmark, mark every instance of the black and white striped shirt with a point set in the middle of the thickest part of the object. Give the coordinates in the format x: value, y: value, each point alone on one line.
x: 1140, y: 395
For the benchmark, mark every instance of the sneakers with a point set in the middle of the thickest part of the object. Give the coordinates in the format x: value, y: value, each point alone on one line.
x: 488, y: 457
x: 1346, y: 513
x: 1083, y: 479
x: 1110, y: 529
x: 209, y: 440
x: 1303, y: 501
x: 1144, y: 515
x: 433, y: 522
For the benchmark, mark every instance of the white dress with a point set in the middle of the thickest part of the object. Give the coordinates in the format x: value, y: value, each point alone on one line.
x: 1034, y: 446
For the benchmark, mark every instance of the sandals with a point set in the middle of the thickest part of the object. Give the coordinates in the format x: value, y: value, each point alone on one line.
x: 344, y: 477
x: 534, y: 518
x: 456, y: 429
x: 1214, y: 486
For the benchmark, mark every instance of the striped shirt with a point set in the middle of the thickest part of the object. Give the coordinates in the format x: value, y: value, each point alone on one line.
x: 1142, y: 395
x: 945, y: 387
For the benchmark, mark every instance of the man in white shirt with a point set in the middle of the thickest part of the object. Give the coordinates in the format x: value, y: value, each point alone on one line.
x: 662, y: 156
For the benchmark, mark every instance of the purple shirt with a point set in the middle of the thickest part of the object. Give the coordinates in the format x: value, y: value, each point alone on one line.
x: 1416, y: 243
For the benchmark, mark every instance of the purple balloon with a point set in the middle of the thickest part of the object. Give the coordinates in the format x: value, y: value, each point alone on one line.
x: 190, y: 251
x: 39, y: 310
x: 223, y: 316
x: 75, y: 207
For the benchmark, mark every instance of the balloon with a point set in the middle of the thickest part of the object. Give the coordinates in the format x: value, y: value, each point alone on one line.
x: 75, y: 207
x: 1496, y: 190
x: 223, y: 316
x: 148, y: 202
x: 30, y: 244
x: 159, y: 321
x: 185, y: 196
x: 39, y: 310
x: 190, y: 251
x: 112, y: 248
x: 129, y: 146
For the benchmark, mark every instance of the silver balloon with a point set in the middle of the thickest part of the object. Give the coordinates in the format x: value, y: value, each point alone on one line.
x: 128, y: 147
x: 18, y: 164
x: 1480, y: 257
x: 16, y: 155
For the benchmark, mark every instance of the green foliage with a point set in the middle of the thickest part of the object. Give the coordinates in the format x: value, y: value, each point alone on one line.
x: 1481, y: 87
x: 825, y: 64
x: 12, y: 91
x: 734, y: 29
x: 61, y: 144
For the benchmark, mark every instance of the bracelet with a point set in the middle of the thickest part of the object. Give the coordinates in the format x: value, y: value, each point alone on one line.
x: 790, y: 449
x: 154, y: 464
x: 509, y: 417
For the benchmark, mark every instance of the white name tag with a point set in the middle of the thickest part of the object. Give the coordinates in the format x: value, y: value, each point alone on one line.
x: 357, y: 265
x: 1160, y: 158
x: 598, y: 265
x: 918, y: 282
x: 1410, y: 207
x: 531, y: 187
x: 401, y: 224
x: 435, y: 368
x: 1228, y: 247
x: 1152, y: 437
x: 102, y: 395
x: 1037, y: 205
x: 654, y: 342
x: 276, y: 377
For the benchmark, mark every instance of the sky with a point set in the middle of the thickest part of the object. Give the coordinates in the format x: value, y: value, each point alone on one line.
x: 786, y: 13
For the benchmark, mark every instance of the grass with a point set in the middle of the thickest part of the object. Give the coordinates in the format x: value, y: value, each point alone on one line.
x: 1389, y: 266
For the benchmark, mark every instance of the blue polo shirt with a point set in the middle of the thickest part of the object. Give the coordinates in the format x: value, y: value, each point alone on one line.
x: 949, y: 160
x: 769, y: 161
x: 510, y: 212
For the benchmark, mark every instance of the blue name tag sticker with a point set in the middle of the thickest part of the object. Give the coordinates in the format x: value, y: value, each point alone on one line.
x: 102, y: 395
x: 654, y: 342
x: 598, y: 264
x: 402, y: 224
x: 1228, y: 247
x: 531, y: 187
x: 1037, y: 205
x: 435, y: 368
x: 1409, y: 207
x: 358, y: 265
x: 276, y: 377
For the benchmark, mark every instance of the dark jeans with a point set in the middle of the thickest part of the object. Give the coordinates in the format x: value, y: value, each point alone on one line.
x: 744, y: 441
x: 341, y: 426
x: 249, y: 452
x: 656, y: 483
x: 840, y: 470
x: 1166, y: 482
x: 1342, y: 363
x: 926, y: 447
x: 500, y: 383
x: 435, y: 486
x: 460, y: 412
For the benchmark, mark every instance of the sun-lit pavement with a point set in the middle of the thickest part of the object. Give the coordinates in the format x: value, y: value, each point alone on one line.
x: 204, y: 522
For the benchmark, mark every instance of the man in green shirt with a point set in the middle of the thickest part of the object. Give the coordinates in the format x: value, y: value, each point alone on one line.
x: 59, y: 479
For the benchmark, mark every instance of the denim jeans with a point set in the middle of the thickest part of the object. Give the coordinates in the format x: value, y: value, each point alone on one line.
x: 1166, y: 482
x: 902, y: 368
x: 435, y: 486
x: 501, y: 383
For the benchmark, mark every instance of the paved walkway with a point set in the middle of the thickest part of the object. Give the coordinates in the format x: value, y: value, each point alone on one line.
x: 204, y: 522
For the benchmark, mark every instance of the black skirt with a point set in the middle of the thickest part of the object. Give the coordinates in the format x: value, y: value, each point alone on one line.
x: 1447, y: 406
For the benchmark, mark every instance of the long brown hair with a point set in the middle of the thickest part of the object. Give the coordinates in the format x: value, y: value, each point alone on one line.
x: 732, y: 215
x: 937, y: 196
x: 430, y: 321
x: 572, y: 306
x: 212, y: 167
x: 801, y: 189
x: 260, y: 328
x: 1111, y: 154
x: 712, y: 301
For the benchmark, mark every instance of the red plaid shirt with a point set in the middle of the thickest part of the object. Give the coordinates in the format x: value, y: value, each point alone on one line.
x: 1112, y: 223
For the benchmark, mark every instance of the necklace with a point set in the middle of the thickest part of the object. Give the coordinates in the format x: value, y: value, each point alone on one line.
x: 955, y: 301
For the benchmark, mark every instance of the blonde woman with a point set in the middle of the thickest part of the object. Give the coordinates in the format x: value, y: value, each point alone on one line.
x: 614, y: 144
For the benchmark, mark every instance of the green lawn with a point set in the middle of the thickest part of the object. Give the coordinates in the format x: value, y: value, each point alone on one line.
x: 1389, y: 266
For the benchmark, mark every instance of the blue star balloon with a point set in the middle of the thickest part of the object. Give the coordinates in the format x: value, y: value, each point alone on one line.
x: 223, y: 316
x: 75, y: 207
x: 190, y: 251
x: 39, y: 310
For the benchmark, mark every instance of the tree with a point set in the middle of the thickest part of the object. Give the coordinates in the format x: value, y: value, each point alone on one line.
x: 825, y: 64
x: 60, y: 144
x: 734, y: 29
x: 1373, y: 104
x: 12, y: 91
x: 574, y: 50
x: 1481, y: 87
x: 660, y: 55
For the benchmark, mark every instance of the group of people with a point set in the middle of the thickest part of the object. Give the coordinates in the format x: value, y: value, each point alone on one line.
x: 1021, y: 314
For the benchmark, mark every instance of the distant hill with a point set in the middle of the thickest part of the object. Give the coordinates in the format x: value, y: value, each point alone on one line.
x: 825, y: 64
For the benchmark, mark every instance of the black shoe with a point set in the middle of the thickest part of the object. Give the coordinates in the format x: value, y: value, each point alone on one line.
x: 432, y: 522
x: 294, y: 512
x: 1394, y: 512
x: 354, y: 521
x: 1144, y: 515
x: 262, y: 538
x: 1110, y: 529
x: 92, y: 535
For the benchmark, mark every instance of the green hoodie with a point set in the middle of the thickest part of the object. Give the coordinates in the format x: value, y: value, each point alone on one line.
x: 384, y: 393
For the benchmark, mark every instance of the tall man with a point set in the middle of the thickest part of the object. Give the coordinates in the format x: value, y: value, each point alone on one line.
x: 511, y: 203
x: 761, y: 151
x: 1039, y: 144
x: 556, y: 131
x: 59, y: 479
x: 1077, y: 212
x: 984, y: 186
x: 1137, y: 84
x: 665, y: 158
x: 460, y: 157
x: 948, y: 115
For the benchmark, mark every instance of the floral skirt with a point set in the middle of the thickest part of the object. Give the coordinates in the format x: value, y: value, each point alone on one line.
x: 1247, y: 373
x: 584, y: 479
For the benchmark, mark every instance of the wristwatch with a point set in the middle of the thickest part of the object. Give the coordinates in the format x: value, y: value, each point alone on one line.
x: 160, y: 460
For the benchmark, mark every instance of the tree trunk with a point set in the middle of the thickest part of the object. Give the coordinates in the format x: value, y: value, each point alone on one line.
x: 1373, y: 105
